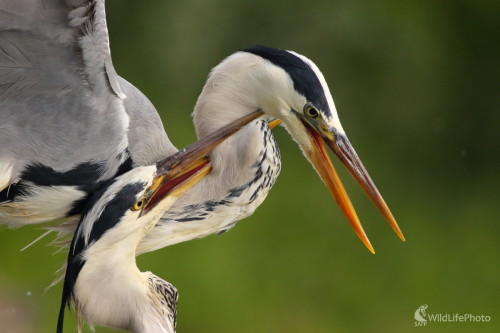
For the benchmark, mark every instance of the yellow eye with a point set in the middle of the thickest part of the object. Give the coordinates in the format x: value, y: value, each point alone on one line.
x: 139, y: 204
x: 310, y: 111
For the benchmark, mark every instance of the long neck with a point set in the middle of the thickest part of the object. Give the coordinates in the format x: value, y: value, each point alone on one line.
x: 235, y: 88
x: 111, y: 291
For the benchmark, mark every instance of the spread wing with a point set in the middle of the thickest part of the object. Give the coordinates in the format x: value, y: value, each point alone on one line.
x: 62, y: 105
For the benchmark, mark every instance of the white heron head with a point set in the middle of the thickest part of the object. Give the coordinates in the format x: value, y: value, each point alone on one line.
x: 289, y: 87
x: 102, y: 279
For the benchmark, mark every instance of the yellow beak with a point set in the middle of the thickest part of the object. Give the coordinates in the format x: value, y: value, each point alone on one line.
x: 347, y: 155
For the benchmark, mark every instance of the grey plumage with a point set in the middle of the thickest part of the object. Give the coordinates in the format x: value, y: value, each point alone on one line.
x: 58, y: 92
x: 70, y: 123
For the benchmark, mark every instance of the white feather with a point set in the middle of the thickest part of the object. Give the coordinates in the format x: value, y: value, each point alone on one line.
x: 6, y: 174
x: 40, y: 204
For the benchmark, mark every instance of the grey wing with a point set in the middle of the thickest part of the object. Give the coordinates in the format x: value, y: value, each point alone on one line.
x: 61, y: 102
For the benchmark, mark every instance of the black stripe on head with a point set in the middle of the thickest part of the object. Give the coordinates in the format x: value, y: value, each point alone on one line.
x: 111, y: 215
x: 305, y: 80
x: 113, y: 211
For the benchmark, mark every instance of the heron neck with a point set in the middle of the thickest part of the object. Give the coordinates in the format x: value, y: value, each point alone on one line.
x: 218, y: 106
x: 233, y: 90
x: 241, y: 84
x: 123, y: 299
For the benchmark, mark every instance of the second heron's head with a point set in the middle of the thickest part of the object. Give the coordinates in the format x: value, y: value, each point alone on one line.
x: 289, y: 87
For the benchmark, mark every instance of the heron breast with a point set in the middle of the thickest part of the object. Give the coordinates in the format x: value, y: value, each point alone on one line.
x: 220, y: 214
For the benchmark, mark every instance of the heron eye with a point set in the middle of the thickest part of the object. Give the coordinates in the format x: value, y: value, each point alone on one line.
x: 139, y: 204
x: 311, y: 111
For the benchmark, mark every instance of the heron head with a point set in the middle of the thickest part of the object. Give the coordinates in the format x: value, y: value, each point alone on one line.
x: 290, y: 87
x: 113, y: 223
x: 133, y: 201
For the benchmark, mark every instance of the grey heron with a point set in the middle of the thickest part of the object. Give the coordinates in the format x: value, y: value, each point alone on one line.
x: 70, y: 123
x: 102, y: 280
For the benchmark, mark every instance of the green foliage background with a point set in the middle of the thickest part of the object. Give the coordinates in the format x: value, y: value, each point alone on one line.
x: 416, y: 84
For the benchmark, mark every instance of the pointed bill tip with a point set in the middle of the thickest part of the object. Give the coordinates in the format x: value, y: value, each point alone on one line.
x: 347, y: 155
x: 394, y: 225
x: 358, y: 229
x: 274, y: 123
x: 398, y: 231
x: 384, y: 209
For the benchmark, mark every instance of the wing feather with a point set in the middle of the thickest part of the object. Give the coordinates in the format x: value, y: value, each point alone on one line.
x: 61, y: 102
x: 62, y: 105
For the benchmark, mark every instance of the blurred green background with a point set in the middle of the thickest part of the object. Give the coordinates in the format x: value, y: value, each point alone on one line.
x: 417, y: 86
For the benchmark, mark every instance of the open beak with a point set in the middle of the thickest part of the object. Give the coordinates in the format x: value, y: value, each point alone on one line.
x: 174, y: 186
x: 347, y: 155
x: 179, y: 172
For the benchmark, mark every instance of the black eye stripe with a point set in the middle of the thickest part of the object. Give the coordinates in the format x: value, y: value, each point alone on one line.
x: 305, y: 79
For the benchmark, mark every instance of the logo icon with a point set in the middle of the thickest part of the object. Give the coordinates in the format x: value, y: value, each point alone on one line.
x: 420, y: 315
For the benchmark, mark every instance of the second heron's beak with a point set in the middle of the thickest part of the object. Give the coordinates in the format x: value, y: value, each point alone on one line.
x: 341, y: 146
x: 179, y: 172
x: 174, y: 186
